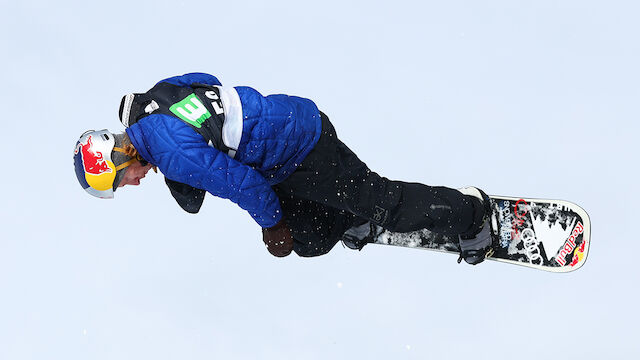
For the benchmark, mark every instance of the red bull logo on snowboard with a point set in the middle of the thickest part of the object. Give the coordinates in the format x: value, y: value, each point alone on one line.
x: 579, y: 254
x: 569, y: 245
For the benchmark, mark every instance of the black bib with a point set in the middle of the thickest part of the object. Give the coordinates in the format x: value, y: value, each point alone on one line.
x: 198, y: 106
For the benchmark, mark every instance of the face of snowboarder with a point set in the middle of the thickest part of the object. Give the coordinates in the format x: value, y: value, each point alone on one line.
x: 135, y: 172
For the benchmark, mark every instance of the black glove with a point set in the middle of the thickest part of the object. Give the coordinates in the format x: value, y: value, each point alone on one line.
x: 278, y: 239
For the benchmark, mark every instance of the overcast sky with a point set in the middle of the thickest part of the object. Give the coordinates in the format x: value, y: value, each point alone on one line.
x: 535, y: 99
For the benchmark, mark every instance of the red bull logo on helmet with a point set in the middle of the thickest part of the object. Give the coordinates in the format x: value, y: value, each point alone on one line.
x: 97, y: 169
x: 93, y: 161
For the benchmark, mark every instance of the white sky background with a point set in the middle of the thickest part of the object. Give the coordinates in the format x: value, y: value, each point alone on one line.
x: 535, y: 99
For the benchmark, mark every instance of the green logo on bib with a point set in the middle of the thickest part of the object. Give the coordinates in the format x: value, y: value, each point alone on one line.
x: 191, y: 111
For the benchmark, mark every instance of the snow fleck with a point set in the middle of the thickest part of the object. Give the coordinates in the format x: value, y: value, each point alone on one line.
x: 339, y: 285
x: 84, y: 332
x: 408, y: 347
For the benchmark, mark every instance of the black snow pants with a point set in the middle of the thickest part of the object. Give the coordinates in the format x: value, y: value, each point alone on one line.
x: 332, y: 190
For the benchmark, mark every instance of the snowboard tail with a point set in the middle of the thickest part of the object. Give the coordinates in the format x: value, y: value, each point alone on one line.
x: 550, y: 235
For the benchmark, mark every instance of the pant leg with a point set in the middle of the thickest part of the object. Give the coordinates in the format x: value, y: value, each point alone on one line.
x: 334, y: 176
x: 316, y: 228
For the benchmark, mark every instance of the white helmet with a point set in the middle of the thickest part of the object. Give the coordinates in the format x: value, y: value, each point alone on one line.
x: 95, y: 169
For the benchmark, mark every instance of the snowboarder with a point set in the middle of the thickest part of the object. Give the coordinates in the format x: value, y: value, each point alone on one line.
x: 279, y: 158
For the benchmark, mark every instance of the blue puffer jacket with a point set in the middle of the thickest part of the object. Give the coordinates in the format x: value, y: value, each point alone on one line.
x: 278, y: 131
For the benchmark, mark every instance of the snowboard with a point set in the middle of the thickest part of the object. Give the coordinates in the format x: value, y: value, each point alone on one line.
x: 550, y: 235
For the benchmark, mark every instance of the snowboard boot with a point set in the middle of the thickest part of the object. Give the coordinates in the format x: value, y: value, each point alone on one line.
x: 359, y: 235
x: 477, y: 244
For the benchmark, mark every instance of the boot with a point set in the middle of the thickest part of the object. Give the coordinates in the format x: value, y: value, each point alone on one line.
x: 477, y: 244
x: 359, y: 235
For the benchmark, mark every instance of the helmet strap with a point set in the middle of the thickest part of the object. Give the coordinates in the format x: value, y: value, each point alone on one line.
x: 129, y: 151
x: 125, y: 164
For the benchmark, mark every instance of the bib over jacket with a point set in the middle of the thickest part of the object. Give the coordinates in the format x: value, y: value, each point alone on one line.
x: 253, y: 141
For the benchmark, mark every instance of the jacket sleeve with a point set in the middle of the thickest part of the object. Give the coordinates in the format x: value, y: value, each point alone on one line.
x: 190, y: 78
x: 183, y: 156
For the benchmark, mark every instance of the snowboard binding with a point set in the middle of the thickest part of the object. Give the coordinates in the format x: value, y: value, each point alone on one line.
x: 479, y: 245
x: 358, y: 236
x: 475, y: 249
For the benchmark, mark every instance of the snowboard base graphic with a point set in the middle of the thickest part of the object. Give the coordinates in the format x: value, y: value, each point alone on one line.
x: 550, y: 235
